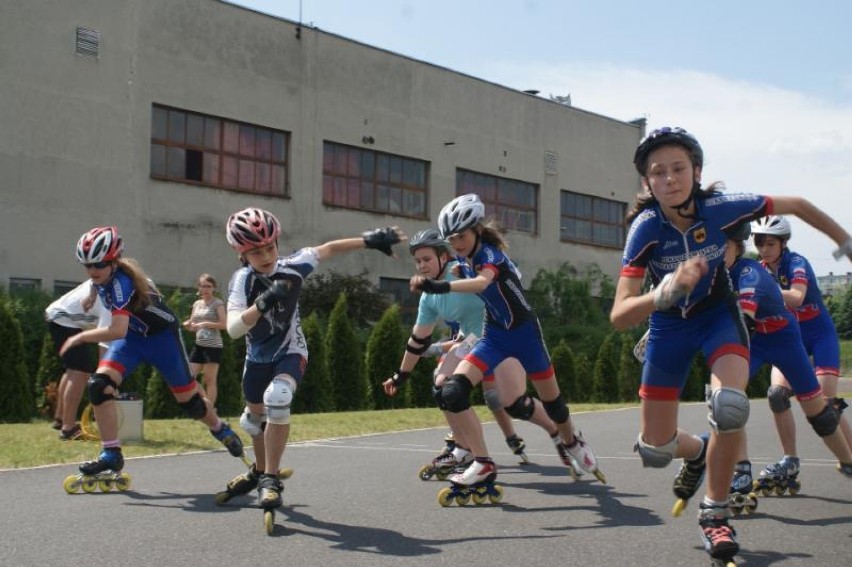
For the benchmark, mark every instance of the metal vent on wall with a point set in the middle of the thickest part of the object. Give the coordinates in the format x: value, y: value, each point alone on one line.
x: 88, y: 42
x: 551, y: 163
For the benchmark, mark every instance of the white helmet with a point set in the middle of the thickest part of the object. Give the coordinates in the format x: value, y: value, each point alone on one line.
x: 776, y: 226
x: 460, y: 214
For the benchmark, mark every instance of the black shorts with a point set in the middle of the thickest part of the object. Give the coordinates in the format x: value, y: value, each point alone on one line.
x: 205, y: 355
x: 81, y: 357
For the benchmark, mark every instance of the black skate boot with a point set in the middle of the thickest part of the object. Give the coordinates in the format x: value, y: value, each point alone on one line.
x: 239, y: 485
x: 689, y: 478
x: 109, y: 460
x: 716, y: 533
x: 269, y: 489
x: 444, y: 465
x: 741, y: 499
x: 517, y: 446
x: 230, y: 440
x: 450, y: 442
x: 73, y: 434
x: 845, y: 469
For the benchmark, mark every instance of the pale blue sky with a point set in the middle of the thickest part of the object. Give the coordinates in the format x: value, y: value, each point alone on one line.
x: 766, y: 86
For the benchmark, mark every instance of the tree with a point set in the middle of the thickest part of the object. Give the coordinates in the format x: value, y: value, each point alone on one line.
x: 365, y: 303
x: 843, y: 315
x: 566, y: 371
x: 229, y: 379
x: 16, y: 400
x: 606, y: 370
x: 316, y: 392
x: 28, y: 309
x: 159, y: 401
x: 50, y: 371
x: 585, y: 383
x: 629, y: 371
x: 384, y: 346
x: 344, y: 361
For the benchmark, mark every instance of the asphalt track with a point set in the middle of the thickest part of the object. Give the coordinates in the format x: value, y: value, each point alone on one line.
x: 358, y: 501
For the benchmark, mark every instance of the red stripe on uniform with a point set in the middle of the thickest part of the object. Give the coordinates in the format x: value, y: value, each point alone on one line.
x: 827, y: 371
x: 183, y: 389
x: 633, y: 272
x: 723, y: 350
x: 810, y: 395
x: 476, y: 362
x: 662, y: 393
x: 543, y: 375
x: 112, y: 364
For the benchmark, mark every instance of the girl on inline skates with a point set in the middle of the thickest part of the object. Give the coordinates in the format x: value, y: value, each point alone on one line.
x: 678, y: 236
x: 776, y: 339
x: 263, y: 305
x: 142, y: 329
x: 511, y: 331
x: 433, y: 259
x: 801, y: 294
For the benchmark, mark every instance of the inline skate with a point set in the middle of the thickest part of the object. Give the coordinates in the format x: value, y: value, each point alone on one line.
x: 717, y: 535
x: 104, y: 473
x: 444, y: 465
x: 476, y: 483
x: 741, y: 499
x: 245, y: 483
x: 269, y: 489
x: 778, y: 478
x: 449, y: 442
x: 689, y: 478
x: 517, y: 446
x: 231, y: 441
x: 582, y: 457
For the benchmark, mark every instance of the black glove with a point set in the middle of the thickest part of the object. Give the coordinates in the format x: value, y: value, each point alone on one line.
x: 400, y: 377
x: 275, y: 295
x: 435, y: 286
x: 381, y: 239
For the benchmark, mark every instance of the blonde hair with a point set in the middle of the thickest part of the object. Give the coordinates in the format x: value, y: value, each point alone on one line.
x: 141, y: 286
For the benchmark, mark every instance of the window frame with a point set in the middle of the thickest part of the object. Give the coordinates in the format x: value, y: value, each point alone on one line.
x: 591, y: 219
x: 497, y: 207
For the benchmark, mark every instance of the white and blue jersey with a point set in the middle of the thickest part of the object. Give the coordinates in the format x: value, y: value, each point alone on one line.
x: 708, y: 318
x: 464, y: 309
x: 818, y: 332
x: 776, y: 339
x: 278, y: 332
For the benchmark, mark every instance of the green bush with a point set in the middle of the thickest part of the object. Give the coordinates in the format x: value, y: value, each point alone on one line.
x: 316, y: 392
x: 629, y: 371
x: 606, y: 370
x: 16, y: 399
x: 384, y: 350
x: 345, y: 361
x: 566, y: 371
x: 28, y: 309
x: 49, y: 372
x: 365, y: 303
x: 230, y: 400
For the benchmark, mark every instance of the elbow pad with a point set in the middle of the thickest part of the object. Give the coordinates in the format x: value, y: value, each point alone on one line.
x: 236, y: 326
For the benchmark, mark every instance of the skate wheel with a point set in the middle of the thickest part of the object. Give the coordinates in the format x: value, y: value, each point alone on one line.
x: 105, y: 485
x: 222, y: 497
x: 122, y: 482
x: 463, y: 498
x: 497, y: 495
x: 779, y: 490
x: 479, y: 499
x: 765, y: 492
x: 285, y: 473
x: 441, y: 475
x: 679, y: 507
x: 425, y: 472
x: 445, y: 497
x: 89, y: 484
x: 269, y: 521
x: 524, y: 459
x: 600, y: 476
x: 71, y: 484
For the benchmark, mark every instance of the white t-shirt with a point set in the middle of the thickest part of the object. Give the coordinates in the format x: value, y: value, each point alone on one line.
x: 68, y: 311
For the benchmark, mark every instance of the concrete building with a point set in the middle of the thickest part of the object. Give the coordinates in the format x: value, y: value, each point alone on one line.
x: 164, y: 116
x: 834, y: 285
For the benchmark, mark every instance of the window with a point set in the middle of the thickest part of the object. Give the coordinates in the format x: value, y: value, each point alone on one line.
x: 591, y: 220
x: 205, y: 150
x: 23, y: 285
x: 61, y: 287
x: 368, y: 180
x: 408, y: 302
x: 514, y: 204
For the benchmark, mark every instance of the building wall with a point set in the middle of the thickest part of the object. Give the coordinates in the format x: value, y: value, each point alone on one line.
x: 75, y: 142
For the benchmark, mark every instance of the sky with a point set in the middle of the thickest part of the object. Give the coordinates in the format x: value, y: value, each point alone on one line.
x: 766, y: 86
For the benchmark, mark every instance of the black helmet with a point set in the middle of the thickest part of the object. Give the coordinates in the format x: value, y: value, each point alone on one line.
x: 428, y: 237
x: 740, y: 232
x: 666, y: 136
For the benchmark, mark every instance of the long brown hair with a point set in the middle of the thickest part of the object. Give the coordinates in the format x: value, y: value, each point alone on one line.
x: 141, y: 285
x: 492, y: 233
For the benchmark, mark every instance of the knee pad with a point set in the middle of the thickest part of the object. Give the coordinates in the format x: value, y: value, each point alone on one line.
x: 194, y: 407
x: 654, y: 456
x: 557, y: 410
x: 277, y: 399
x: 522, y: 408
x: 96, y: 385
x: 437, y: 394
x: 252, y: 423
x: 839, y: 405
x: 455, y: 393
x: 492, y: 399
x: 779, y: 398
x: 825, y: 422
x: 729, y: 410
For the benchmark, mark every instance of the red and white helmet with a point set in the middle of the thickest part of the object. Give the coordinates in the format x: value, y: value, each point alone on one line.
x: 101, y: 244
x: 251, y: 228
x: 776, y: 226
